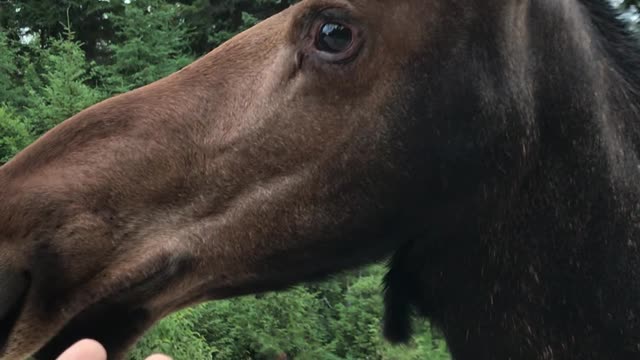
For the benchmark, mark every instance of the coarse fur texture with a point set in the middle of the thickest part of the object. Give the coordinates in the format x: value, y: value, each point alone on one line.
x: 542, y: 264
x: 489, y: 147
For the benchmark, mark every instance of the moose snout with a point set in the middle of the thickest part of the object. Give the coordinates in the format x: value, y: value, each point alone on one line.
x: 14, y: 287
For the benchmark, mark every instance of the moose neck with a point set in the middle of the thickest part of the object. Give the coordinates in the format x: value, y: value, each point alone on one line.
x: 534, y: 244
x: 586, y: 183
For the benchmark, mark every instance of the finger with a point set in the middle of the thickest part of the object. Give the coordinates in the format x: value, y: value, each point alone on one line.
x: 85, y: 350
x: 158, y: 357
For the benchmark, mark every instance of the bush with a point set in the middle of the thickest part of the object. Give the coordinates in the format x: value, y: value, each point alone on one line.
x: 14, y: 134
x: 152, y: 45
x: 175, y: 335
x: 65, y: 91
x: 264, y: 326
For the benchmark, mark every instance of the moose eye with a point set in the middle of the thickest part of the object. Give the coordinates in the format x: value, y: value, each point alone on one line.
x: 334, y: 38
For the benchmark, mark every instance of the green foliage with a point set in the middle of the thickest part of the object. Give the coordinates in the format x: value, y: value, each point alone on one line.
x: 263, y: 326
x: 152, y: 44
x: 216, y: 21
x: 65, y: 90
x: 48, y: 20
x: 17, y: 72
x: 14, y: 134
x: 175, y: 335
x: 358, y: 326
x: 247, y: 21
x: 8, y: 69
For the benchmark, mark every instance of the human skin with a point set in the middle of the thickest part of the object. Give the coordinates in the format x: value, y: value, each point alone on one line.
x: 92, y: 350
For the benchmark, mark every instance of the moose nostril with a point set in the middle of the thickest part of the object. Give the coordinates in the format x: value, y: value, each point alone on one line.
x: 13, y: 292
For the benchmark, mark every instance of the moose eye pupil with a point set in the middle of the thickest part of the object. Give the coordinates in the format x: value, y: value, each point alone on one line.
x: 334, y: 38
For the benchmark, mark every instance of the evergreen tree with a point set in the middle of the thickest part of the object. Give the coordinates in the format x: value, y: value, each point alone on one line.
x: 14, y: 134
x: 64, y: 91
x: 215, y: 21
x: 47, y: 20
x: 151, y: 45
x: 8, y: 69
x: 264, y: 326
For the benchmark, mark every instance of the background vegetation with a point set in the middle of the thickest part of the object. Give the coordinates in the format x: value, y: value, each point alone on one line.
x: 59, y: 56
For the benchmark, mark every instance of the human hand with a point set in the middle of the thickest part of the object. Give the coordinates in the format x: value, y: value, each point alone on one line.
x: 92, y: 350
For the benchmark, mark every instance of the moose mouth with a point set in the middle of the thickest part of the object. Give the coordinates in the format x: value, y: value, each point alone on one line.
x: 113, y: 324
x: 115, y: 319
x: 9, y: 319
x: 118, y: 319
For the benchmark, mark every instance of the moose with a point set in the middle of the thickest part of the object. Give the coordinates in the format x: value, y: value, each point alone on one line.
x: 488, y: 149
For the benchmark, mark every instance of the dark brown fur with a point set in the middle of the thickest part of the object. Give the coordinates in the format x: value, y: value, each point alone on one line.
x: 490, y: 147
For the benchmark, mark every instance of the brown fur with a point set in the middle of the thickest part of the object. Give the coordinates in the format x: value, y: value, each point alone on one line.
x: 202, y: 165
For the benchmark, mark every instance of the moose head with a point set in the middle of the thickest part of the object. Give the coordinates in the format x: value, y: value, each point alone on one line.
x: 489, y: 147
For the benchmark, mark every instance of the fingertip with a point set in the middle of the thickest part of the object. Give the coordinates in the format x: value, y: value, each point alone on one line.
x: 86, y: 349
x: 158, y: 357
